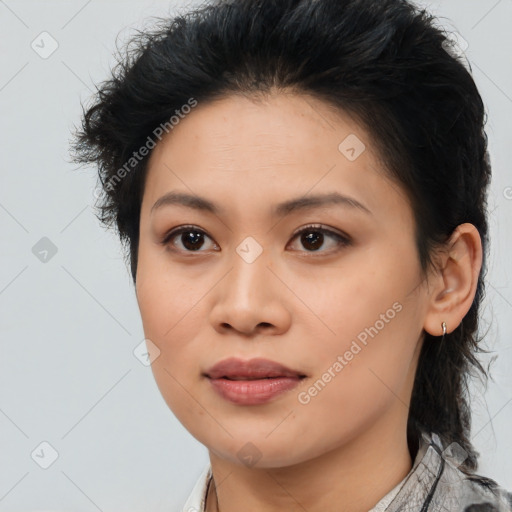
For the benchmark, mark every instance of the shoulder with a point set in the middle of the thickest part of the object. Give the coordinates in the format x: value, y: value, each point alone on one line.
x: 450, y: 488
x: 482, y: 494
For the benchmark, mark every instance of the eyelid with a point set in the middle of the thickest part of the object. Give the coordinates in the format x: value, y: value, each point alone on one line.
x: 322, y: 228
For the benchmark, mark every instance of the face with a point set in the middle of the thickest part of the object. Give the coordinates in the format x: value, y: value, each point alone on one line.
x: 264, y: 269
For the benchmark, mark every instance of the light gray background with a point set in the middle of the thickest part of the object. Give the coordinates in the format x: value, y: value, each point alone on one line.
x: 69, y: 326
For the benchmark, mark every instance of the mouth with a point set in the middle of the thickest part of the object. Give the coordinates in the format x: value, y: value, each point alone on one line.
x: 252, y: 382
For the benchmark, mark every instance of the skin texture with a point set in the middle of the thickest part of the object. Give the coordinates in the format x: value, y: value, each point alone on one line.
x: 295, y: 305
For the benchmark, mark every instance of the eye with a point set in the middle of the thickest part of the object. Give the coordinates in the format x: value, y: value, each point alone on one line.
x: 191, y: 239
x: 313, y: 238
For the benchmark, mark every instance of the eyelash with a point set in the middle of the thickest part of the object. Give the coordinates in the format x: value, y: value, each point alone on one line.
x: 342, y: 240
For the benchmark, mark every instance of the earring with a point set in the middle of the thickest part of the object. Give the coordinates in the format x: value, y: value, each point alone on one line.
x: 443, y: 325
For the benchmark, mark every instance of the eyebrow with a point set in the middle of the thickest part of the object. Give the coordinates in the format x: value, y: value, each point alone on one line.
x: 285, y: 208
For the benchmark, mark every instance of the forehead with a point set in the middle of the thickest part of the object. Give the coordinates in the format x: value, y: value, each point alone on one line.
x: 283, y: 124
x: 238, y: 149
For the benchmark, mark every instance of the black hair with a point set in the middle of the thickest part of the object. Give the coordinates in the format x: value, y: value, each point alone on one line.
x: 384, y: 62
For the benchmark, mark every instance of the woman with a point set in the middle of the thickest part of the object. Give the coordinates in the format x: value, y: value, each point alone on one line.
x: 301, y: 186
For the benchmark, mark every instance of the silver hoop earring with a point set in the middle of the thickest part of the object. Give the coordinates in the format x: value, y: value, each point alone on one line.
x: 443, y: 325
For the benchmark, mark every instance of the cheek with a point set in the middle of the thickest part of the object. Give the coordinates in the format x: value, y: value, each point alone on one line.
x: 348, y: 302
x: 170, y: 317
x: 368, y: 325
x: 170, y: 313
x: 371, y: 295
x: 163, y: 295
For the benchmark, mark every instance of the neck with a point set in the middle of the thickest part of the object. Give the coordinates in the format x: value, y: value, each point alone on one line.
x: 336, y: 480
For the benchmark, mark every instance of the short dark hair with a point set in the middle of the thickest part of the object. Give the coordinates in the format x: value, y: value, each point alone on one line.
x: 383, y: 61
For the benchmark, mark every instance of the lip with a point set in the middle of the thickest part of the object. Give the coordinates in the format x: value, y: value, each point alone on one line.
x: 252, y: 382
x: 250, y: 369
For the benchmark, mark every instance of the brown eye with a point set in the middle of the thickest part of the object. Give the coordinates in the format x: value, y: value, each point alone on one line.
x: 190, y: 238
x: 313, y: 238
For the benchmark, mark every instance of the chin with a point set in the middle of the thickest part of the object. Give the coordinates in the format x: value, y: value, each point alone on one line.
x: 259, y: 451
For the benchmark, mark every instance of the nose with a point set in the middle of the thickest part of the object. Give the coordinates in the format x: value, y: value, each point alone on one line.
x: 251, y: 299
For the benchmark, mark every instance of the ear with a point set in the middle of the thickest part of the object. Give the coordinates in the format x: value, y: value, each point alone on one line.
x: 454, y: 285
